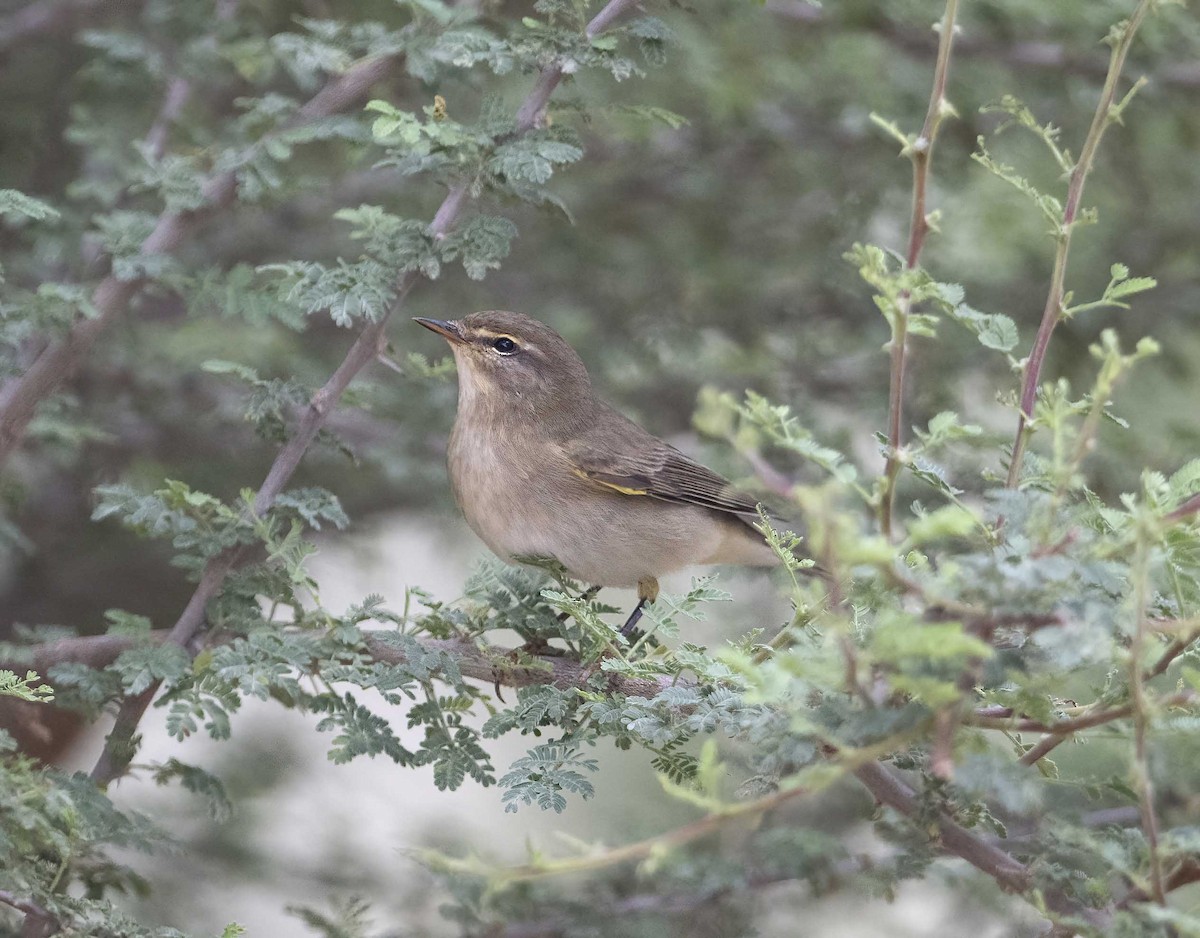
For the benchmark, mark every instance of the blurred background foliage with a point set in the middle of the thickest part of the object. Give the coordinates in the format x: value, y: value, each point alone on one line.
x: 708, y: 254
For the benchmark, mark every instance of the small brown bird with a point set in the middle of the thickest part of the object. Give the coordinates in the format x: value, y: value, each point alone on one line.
x: 541, y: 467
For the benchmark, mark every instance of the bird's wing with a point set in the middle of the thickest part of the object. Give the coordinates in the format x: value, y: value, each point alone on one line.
x: 633, y: 462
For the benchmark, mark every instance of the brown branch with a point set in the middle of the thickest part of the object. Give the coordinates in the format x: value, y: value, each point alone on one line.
x: 1141, y: 720
x: 480, y: 661
x: 20, y: 397
x: 1176, y: 648
x: 1186, y: 873
x: 1186, y: 510
x: 1052, y: 312
x: 1058, y: 733
x: 95, y: 651
x: 179, y: 92
x: 484, y: 662
x: 1047, y: 745
x: 1002, y: 718
x: 921, y: 154
x: 49, y: 17
x: 38, y: 922
x: 115, y: 757
x: 1010, y: 873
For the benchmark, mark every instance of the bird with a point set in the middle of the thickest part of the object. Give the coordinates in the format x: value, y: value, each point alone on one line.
x: 541, y: 467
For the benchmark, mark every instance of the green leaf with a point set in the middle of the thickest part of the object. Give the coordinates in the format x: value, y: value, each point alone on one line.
x: 949, y: 521
x: 14, y: 203
x: 482, y: 243
x: 126, y: 623
x: 542, y: 777
x: 994, y: 330
x: 198, y: 782
x: 24, y: 688
x: 907, y: 640
x: 143, y: 666
x: 532, y: 159
x: 314, y: 505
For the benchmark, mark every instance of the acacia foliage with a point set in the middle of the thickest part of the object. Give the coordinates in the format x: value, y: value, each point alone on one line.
x: 939, y: 664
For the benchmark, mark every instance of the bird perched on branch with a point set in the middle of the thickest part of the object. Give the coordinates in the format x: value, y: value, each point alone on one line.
x: 541, y: 467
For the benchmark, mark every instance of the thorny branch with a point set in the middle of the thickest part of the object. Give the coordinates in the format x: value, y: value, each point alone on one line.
x: 1106, y: 113
x: 50, y: 16
x: 921, y: 155
x: 1141, y: 719
x: 37, y: 920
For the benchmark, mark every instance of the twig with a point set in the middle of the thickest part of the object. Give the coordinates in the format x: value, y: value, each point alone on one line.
x: 1176, y: 648
x: 921, y: 156
x: 1052, y: 312
x: 1190, y: 507
x: 941, y: 757
x: 1141, y: 719
x: 38, y: 922
x: 179, y: 92
x: 1186, y: 873
x: 48, y: 16
x: 1009, y: 872
x: 997, y: 719
x: 1036, y: 753
x: 370, y: 343
x: 20, y: 397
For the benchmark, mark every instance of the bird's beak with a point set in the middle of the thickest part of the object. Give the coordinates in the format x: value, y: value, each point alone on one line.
x: 450, y: 331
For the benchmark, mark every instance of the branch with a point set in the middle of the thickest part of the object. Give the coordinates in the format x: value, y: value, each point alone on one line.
x: 1186, y: 873
x: 20, y: 397
x: 921, y: 155
x: 38, y: 922
x: 117, y: 750
x: 1002, y: 718
x: 1141, y: 719
x: 1177, y: 648
x: 1011, y: 874
x: 46, y: 17
x: 179, y: 92
x: 1052, y: 312
x: 493, y: 664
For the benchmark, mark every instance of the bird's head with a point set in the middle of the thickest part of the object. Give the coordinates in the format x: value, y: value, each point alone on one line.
x: 509, y: 359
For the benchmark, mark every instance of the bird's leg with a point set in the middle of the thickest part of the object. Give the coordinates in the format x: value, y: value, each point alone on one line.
x: 647, y: 593
x: 587, y: 595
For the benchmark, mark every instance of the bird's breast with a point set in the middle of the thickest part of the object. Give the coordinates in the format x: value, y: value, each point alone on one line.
x: 505, y: 484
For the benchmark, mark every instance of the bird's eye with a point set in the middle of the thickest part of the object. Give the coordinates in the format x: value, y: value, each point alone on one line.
x: 504, y: 345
